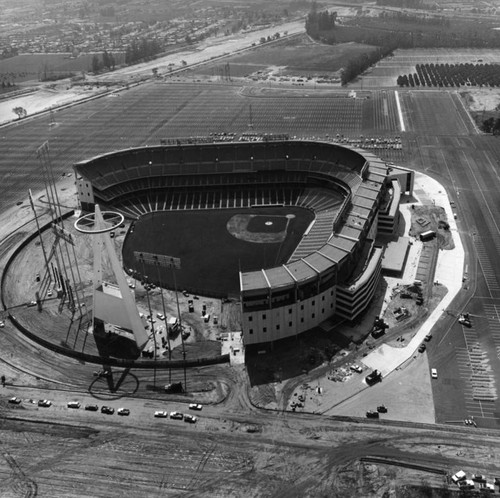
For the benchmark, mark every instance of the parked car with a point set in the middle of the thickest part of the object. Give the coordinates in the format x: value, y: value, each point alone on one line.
x: 466, y: 484
x: 422, y: 348
x: 176, y: 415
x: 125, y: 412
x: 459, y: 476
x: 372, y: 414
x: 108, y: 410
x: 2, y: 324
x: 73, y: 404
x: 428, y: 337
x: 14, y: 401
x: 434, y: 373
x: 91, y: 408
x: 161, y: 414
x: 190, y: 418
x: 382, y: 409
x: 45, y: 403
x: 195, y: 406
x: 356, y: 368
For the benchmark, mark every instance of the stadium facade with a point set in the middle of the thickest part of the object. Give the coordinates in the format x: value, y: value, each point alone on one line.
x: 335, y: 269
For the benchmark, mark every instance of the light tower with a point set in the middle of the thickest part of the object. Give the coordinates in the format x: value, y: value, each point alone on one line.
x: 112, y: 304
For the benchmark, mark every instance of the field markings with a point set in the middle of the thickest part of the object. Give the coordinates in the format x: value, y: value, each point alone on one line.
x: 400, y: 114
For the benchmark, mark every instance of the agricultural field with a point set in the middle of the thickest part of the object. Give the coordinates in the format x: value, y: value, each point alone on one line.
x: 386, y: 72
x: 452, y: 75
x: 30, y: 67
x: 297, y: 56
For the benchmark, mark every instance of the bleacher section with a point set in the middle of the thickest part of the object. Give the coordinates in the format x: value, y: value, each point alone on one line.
x: 149, y: 162
x: 318, y: 235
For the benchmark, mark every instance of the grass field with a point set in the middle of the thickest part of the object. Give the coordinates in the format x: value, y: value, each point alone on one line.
x: 29, y: 67
x: 298, y: 56
x: 210, y: 256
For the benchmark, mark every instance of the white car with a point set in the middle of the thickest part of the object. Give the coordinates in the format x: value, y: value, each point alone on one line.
x: 44, y: 403
x: 190, y: 418
x: 161, y: 414
x: 2, y: 324
x: 123, y: 412
x: 176, y: 415
x: 459, y: 476
x: 73, y: 404
x: 356, y: 368
x: 434, y: 373
x: 195, y: 406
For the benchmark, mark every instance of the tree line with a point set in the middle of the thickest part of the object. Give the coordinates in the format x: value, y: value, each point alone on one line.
x: 141, y: 49
x: 358, y: 65
x: 491, y: 125
x: 107, y: 61
x: 408, y: 4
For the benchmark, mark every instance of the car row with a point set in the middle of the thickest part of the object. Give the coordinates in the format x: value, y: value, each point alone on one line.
x: 124, y: 412
x: 477, y: 481
x: 75, y: 405
x: 375, y: 414
x: 177, y: 416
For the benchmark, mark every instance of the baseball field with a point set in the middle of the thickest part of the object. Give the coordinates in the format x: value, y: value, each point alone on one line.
x: 214, y: 245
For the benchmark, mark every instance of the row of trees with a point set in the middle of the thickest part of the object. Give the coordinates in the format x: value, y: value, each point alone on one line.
x: 417, y: 19
x: 357, y: 65
x: 318, y: 23
x: 141, y: 49
x: 452, y: 75
x: 9, y: 52
x: 408, y: 4
x: 107, y: 61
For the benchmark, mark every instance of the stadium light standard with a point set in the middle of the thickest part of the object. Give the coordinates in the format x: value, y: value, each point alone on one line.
x: 165, y: 318
x: 180, y: 326
x: 151, y: 319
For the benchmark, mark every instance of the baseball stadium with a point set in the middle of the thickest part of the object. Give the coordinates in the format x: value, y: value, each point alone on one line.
x: 288, y: 226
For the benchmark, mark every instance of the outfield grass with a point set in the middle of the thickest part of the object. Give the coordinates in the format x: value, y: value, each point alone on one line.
x: 210, y: 256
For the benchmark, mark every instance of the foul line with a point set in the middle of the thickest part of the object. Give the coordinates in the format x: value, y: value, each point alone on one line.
x: 400, y: 114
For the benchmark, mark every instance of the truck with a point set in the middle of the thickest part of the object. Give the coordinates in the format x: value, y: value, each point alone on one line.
x: 428, y: 235
x: 377, y: 332
x: 373, y: 377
